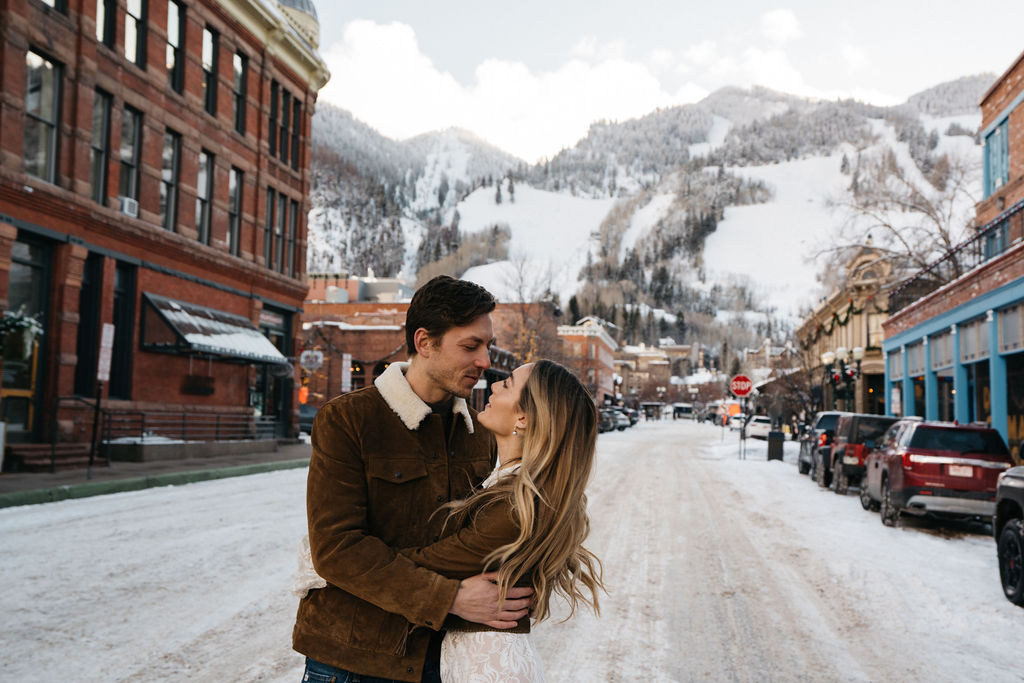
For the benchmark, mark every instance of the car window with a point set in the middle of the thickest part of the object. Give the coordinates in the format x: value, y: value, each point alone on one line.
x: 958, y: 440
x: 890, y: 436
x: 871, y: 428
x: 827, y: 421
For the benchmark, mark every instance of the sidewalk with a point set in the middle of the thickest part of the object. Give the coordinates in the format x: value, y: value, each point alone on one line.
x: 29, y: 488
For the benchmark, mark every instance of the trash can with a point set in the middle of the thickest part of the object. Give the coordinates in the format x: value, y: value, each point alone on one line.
x: 775, y: 440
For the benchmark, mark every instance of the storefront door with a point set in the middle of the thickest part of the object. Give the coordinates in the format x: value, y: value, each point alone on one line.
x: 24, y: 347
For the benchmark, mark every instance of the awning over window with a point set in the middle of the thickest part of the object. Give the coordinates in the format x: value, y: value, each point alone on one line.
x: 181, y: 327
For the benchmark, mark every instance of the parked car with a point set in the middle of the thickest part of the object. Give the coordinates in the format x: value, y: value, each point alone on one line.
x: 818, y: 436
x: 737, y: 421
x: 634, y: 415
x: 607, y: 422
x: 938, y: 468
x: 622, y: 422
x: 1008, y: 528
x: 855, y: 434
x: 759, y: 426
x: 306, y: 415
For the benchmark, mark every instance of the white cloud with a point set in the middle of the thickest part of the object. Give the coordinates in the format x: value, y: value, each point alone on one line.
x: 380, y: 75
x: 780, y: 26
x: 855, y: 56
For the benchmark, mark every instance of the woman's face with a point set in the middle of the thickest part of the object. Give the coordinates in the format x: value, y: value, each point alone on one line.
x: 502, y: 410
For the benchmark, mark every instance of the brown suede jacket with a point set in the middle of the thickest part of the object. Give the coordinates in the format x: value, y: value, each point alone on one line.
x: 379, y: 471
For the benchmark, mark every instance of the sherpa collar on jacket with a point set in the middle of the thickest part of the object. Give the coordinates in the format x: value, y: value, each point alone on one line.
x: 411, y: 409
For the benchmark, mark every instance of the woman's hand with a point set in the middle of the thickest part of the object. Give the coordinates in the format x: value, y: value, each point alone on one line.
x: 477, y: 601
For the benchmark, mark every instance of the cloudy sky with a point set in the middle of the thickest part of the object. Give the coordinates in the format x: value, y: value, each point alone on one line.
x: 530, y: 75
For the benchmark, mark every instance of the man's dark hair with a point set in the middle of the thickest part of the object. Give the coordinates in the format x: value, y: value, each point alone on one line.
x: 444, y: 303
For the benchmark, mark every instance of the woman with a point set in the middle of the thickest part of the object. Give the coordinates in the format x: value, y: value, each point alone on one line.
x: 528, y: 520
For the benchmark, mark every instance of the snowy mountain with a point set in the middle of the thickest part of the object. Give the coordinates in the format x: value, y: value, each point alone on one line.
x: 687, y: 213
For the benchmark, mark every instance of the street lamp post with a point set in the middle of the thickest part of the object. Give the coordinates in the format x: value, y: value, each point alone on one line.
x: 841, y: 373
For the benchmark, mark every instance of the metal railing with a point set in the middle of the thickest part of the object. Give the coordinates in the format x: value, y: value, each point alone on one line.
x: 1006, y: 230
x: 185, y: 426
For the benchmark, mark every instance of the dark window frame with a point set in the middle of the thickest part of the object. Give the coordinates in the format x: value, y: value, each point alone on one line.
x: 268, y: 229
x: 240, y: 69
x: 99, y: 150
x: 296, y: 130
x: 130, y: 168
x: 210, y: 69
x: 169, y: 183
x: 285, y: 144
x: 175, y: 49
x: 106, y: 22
x: 135, y: 26
x: 279, y: 231
x: 48, y: 128
x: 204, y: 194
x: 293, y: 222
x: 272, y: 128
x: 236, y: 182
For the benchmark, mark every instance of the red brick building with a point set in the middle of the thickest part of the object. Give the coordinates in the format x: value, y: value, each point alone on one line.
x: 154, y: 173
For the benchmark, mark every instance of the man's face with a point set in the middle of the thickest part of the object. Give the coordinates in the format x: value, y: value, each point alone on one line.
x: 459, y: 358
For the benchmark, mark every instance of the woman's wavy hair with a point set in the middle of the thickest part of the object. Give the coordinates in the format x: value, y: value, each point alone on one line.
x: 546, y: 495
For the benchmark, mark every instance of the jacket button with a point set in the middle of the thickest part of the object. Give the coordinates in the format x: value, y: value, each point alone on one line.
x: 408, y: 669
x: 429, y: 623
x: 398, y: 475
x: 436, y: 539
x: 440, y: 499
x: 451, y: 454
x: 435, y: 456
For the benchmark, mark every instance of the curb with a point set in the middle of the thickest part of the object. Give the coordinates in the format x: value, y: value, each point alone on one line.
x: 102, y: 488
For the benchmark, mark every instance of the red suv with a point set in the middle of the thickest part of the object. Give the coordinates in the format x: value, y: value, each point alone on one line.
x: 940, y: 468
x: 855, y: 435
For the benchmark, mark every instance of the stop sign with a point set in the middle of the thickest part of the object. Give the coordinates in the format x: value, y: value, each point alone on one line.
x: 740, y: 385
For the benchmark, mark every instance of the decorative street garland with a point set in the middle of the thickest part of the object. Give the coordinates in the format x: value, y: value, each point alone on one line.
x: 843, y: 320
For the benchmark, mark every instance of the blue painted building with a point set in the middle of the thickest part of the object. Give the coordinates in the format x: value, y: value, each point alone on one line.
x: 957, y: 353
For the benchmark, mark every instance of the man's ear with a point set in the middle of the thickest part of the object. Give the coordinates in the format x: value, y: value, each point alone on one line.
x: 423, y: 342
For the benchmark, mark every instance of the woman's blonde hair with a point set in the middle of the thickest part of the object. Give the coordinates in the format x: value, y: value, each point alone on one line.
x: 546, y: 495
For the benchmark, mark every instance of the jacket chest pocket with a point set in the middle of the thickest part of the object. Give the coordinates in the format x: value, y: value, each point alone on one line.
x: 396, y: 471
x: 400, y: 500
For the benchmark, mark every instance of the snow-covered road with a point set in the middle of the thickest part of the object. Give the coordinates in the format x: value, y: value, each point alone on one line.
x: 717, y: 568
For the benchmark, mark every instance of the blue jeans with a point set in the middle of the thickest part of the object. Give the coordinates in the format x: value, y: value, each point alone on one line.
x: 317, y: 672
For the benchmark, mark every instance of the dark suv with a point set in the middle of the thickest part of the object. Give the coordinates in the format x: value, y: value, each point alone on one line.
x: 938, y: 468
x: 818, y: 437
x: 1008, y: 527
x: 855, y: 435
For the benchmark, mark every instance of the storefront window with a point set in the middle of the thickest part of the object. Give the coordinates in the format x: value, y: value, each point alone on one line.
x: 27, y: 296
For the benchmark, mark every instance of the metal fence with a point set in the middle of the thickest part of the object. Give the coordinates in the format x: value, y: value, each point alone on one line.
x: 185, y: 426
x: 992, y: 240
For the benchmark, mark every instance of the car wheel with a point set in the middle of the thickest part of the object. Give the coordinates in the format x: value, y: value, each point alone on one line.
x: 840, y: 483
x: 866, y: 501
x: 802, y: 467
x: 889, y: 513
x: 1011, y: 561
x: 823, y: 475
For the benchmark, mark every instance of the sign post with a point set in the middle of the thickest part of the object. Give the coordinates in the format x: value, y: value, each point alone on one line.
x: 102, y: 375
x: 741, y: 386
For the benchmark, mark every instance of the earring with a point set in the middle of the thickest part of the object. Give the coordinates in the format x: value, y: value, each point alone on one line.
x: 514, y: 431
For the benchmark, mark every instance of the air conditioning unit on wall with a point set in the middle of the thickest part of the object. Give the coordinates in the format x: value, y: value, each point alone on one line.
x: 129, y: 206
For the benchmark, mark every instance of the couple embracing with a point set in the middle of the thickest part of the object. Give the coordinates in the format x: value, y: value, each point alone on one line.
x: 436, y: 533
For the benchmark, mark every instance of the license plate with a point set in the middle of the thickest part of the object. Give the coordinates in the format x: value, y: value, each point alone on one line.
x: 961, y: 471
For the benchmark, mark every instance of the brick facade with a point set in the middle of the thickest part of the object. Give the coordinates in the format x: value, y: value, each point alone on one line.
x: 90, y: 250
x: 1000, y: 97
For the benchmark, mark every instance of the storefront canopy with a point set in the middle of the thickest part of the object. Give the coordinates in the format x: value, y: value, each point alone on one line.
x: 182, y: 327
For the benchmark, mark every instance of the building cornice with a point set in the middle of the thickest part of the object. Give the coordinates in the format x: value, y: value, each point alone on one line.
x: 282, y: 38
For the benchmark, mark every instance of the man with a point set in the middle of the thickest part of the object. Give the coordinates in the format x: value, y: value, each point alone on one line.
x: 384, y: 459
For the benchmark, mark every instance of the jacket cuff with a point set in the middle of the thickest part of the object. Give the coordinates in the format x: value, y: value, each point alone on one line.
x: 436, y: 609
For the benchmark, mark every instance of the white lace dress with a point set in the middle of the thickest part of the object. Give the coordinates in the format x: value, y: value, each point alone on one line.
x: 490, y: 656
